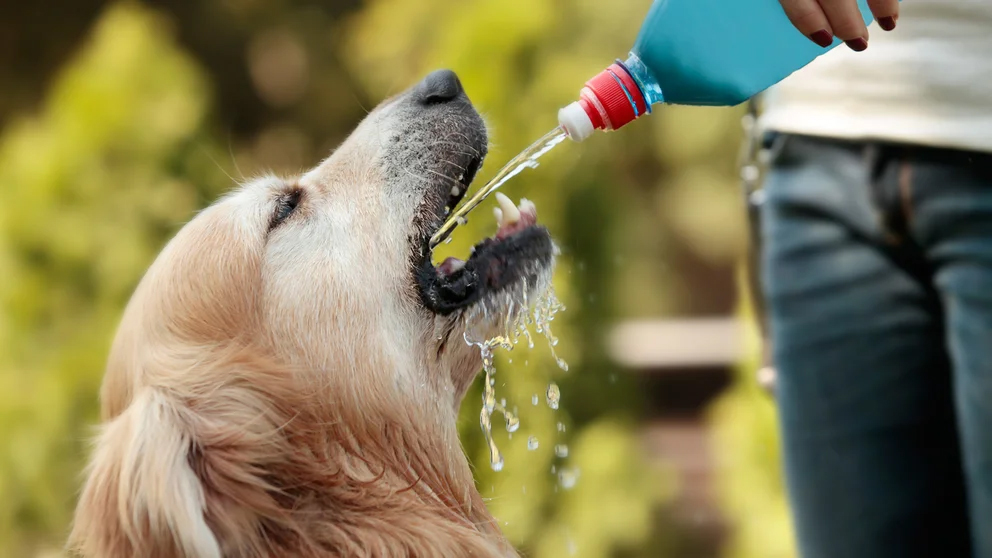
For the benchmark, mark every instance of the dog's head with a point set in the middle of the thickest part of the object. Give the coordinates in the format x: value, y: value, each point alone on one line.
x: 304, y: 315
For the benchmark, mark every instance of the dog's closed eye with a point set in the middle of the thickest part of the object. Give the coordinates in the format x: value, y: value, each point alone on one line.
x: 286, y: 204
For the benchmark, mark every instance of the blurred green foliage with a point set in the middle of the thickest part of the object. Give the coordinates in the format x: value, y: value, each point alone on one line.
x: 145, y: 123
x: 749, y: 458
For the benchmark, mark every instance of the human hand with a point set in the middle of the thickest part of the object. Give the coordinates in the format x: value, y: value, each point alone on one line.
x: 822, y: 20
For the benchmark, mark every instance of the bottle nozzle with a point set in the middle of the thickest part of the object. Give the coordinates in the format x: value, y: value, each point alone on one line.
x: 576, y: 123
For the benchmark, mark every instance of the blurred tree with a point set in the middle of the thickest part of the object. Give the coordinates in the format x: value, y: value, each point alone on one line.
x: 35, y: 39
x: 748, y: 453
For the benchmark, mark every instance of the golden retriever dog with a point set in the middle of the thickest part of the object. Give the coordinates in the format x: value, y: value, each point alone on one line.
x: 286, y: 378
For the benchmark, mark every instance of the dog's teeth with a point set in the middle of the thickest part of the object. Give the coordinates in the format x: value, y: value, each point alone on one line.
x: 498, y: 213
x: 461, y: 177
x: 455, y: 265
x: 455, y: 191
x: 510, y: 212
x: 447, y: 210
x: 527, y: 206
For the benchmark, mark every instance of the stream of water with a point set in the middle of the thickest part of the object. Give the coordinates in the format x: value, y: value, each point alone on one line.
x: 524, y: 160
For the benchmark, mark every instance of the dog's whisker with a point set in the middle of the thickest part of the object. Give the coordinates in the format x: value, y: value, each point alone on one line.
x: 453, y: 164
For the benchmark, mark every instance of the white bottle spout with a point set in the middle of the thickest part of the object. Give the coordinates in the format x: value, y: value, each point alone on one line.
x: 576, y: 123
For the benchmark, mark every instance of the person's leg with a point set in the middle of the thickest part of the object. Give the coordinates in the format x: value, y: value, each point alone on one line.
x: 953, y: 196
x: 866, y: 412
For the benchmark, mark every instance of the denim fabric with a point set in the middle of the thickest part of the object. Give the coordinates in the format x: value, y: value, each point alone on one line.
x: 877, y: 272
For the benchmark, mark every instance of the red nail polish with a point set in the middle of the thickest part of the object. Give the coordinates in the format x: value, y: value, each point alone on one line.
x: 822, y: 38
x: 858, y: 44
x: 887, y: 23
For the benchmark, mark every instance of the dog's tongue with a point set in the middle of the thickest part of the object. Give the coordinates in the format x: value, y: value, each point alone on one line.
x: 450, y: 265
x: 512, y: 218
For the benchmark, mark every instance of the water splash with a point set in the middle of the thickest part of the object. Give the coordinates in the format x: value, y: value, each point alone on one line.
x: 532, y: 443
x: 512, y: 324
x: 544, y: 314
x: 524, y: 160
x: 561, y: 450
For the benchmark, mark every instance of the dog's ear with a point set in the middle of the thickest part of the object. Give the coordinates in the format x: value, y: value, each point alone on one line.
x: 142, y: 496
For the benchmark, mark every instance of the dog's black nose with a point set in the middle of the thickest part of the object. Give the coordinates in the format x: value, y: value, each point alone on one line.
x: 438, y: 87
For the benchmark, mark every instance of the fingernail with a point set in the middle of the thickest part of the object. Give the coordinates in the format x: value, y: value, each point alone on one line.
x: 887, y: 23
x: 858, y: 44
x: 822, y: 38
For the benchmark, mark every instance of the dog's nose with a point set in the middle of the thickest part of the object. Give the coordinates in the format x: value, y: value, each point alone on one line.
x: 438, y: 87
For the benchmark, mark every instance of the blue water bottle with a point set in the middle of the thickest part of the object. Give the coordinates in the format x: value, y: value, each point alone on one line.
x: 695, y: 52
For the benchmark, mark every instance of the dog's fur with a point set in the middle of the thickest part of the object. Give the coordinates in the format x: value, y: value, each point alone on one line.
x: 277, y: 387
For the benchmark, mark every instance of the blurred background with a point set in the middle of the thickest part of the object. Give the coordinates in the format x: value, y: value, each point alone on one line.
x: 118, y: 120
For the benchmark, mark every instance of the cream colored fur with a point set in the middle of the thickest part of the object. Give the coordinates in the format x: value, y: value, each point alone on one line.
x: 284, y: 393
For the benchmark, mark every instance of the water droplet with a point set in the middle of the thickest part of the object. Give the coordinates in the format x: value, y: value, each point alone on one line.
x: 561, y: 450
x: 534, y: 399
x: 567, y: 478
x: 512, y: 422
x: 532, y: 443
x: 498, y: 464
x: 561, y: 427
x: 553, y: 395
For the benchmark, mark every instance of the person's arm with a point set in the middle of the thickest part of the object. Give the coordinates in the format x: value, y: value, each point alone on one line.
x: 822, y: 20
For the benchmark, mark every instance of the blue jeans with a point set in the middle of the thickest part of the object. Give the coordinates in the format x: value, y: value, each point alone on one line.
x: 877, y: 272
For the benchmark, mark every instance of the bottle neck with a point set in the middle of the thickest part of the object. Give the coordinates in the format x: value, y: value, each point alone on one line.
x: 646, y: 81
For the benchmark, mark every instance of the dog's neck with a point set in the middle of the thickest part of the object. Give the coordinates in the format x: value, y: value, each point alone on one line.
x: 366, y: 474
x: 396, y: 485
x: 277, y: 467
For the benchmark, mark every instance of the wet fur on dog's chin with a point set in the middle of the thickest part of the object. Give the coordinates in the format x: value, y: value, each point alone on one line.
x: 277, y: 387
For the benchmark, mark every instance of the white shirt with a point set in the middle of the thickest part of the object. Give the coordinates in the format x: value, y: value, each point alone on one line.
x: 927, y: 82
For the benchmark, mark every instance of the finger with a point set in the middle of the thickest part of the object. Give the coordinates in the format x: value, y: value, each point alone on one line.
x: 886, y: 13
x: 845, y: 20
x: 810, y: 20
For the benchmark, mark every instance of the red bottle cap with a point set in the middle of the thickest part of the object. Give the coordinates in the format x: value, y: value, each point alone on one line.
x: 617, y: 94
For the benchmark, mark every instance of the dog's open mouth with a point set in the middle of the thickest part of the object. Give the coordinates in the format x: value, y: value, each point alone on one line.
x: 519, y: 251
